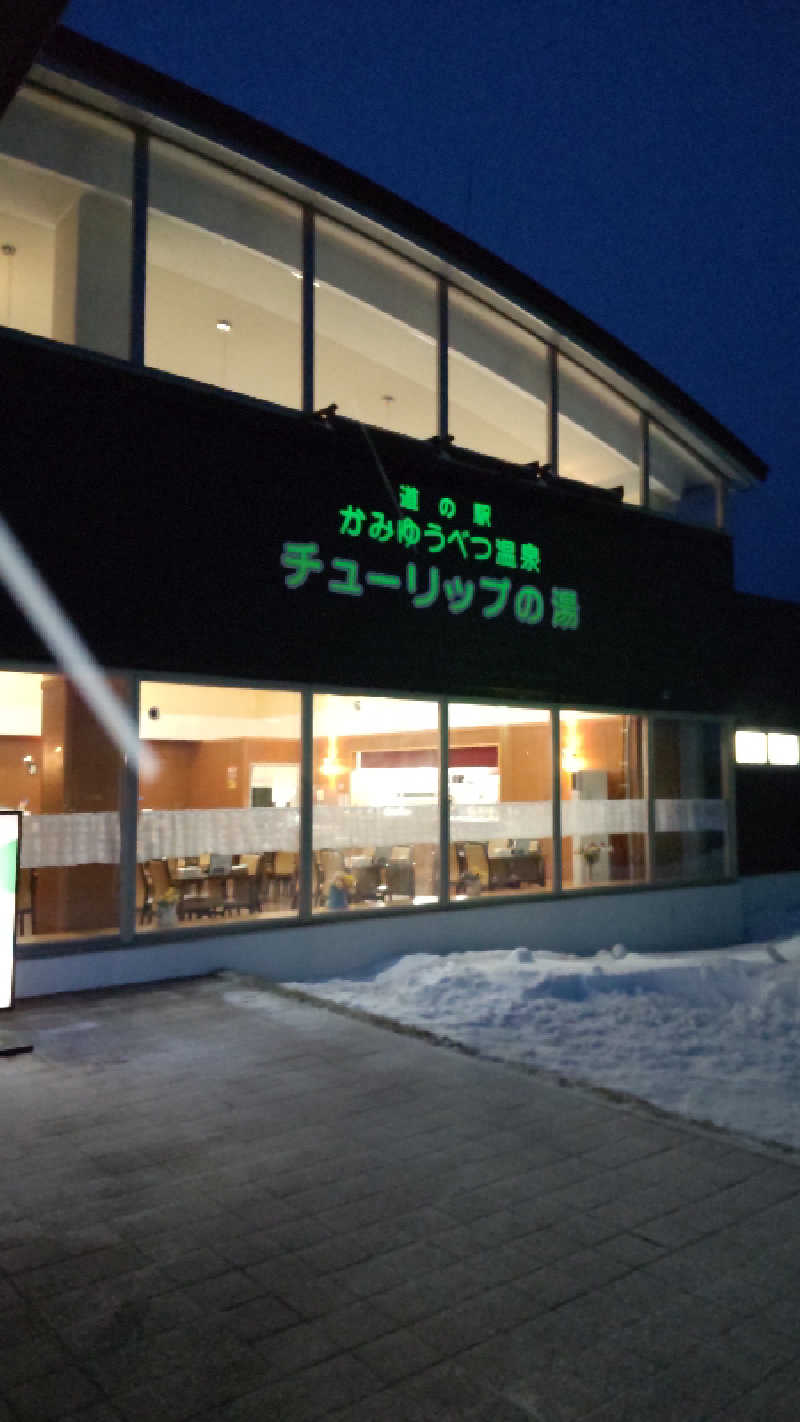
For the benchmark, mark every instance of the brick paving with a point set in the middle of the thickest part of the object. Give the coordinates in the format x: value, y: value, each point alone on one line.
x: 223, y: 1204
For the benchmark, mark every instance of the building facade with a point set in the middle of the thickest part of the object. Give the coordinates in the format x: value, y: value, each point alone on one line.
x: 416, y: 582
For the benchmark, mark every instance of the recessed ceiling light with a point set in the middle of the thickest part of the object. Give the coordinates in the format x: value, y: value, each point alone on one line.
x: 223, y: 325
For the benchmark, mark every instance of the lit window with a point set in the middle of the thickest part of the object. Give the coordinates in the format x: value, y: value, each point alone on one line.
x: 783, y: 750
x: 751, y: 748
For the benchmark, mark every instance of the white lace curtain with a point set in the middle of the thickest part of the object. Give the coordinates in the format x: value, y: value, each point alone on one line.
x: 93, y: 837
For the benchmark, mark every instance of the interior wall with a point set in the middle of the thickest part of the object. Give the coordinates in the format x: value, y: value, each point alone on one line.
x: 26, y: 277
x: 65, y: 276
x: 525, y: 758
x: 169, y: 789
x: 16, y: 784
x: 81, y: 771
x: 194, y: 775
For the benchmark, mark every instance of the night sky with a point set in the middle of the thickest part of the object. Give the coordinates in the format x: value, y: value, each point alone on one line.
x: 641, y: 158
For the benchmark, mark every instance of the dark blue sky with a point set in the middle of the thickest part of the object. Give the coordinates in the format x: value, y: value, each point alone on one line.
x: 639, y: 157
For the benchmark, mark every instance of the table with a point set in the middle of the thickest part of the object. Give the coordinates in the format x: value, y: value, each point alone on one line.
x: 526, y: 868
x: 192, y: 875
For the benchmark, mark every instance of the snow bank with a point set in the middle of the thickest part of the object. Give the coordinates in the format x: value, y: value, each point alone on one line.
x: 712, y: 1035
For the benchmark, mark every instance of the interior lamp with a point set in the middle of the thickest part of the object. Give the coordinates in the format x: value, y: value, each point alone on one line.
x: 331, y: 765
x: 571, y: 762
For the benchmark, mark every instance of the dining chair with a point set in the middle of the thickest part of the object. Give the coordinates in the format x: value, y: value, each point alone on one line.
x: 24, y: 906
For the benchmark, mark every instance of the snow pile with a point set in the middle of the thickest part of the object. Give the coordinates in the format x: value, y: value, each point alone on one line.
x: 713, y: 1035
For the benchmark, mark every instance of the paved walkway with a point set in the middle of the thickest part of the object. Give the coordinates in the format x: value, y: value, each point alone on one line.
x: 222, y: 1204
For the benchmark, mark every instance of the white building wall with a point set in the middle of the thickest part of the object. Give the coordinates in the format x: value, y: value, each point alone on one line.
x: 670, y: 919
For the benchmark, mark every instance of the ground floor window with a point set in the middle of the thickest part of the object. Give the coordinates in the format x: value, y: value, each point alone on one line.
x: 58, y: 767
x: 691, y: 824
x: 500, y: 786
x: 395, y: 811
x: 219, y: 822
x: 376, y: 802
x: 603, y: 800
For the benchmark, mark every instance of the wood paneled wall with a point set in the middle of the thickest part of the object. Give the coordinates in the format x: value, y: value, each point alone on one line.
x: 211, y: 775
x: 16, y: 785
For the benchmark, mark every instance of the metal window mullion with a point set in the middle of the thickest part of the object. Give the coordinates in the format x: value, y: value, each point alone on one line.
x: 555, y: 736
x: 721, y: 502
x: 128, y: 828
x: 729, y: 795
x: 307, y: 314
x: 651, y: 799
x: 442, y: 393
x: 444, y: 804
x: 305, y: 898
x: 552, y: 409
x: 644, y: 459
x: 141, y: 182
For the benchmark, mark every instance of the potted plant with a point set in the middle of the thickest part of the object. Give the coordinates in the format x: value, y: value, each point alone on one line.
x: 471, y: 884
x: 591, y: 854
x: 167, y: 908
x: 340, y: 891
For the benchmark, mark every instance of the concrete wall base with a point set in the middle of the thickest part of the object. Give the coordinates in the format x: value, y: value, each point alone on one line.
x: 700, y: 917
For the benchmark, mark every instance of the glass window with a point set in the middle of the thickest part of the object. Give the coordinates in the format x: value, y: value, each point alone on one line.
x: 498, y: 384
x: 219, y: 823
x: 679, y: 484
x: 783, y: 749
x: 603, y: 804
x: 59, y: 767
x: 223, y: 279
x: 691, y: 814
x: 65, y: 224
x: 751, y: 747
x: 375, y: 343
x: 376, y: 802
x: 500, y: 782
x: 598, y: 433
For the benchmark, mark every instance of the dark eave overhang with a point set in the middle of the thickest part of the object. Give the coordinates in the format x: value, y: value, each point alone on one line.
x: 128, y: 80
x: 23, y: 30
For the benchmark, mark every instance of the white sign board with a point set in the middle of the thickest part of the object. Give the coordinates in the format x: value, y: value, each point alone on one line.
x: 9, y: 859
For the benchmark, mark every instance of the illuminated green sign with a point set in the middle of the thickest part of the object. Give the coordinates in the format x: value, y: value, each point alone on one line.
x: 467, y: 537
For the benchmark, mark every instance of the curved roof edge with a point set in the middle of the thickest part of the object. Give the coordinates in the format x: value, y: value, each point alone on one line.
x: 130, y: 79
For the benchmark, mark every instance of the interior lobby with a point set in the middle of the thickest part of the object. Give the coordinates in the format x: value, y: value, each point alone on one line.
x: 218, y: 825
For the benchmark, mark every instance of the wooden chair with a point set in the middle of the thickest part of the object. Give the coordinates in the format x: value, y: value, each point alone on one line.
x: 498, y: 847
x: 426, y: 868
x: 159, y: 877
x: 284, y: 873
x: 144, y: 895
x: 400, y: 876
x: 477, y: 862
x: 238, y: 894
x: 25, y: 889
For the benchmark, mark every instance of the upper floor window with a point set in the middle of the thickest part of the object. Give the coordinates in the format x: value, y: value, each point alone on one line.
x: 375, y: 320
x: 497, y: 383
x: 599, y: 439
x: 224, y: 284
x: 66, y: 179
x: 679, y: 484
x: 223, y: 279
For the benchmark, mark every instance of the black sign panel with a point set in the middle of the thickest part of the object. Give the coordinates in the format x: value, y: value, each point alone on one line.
x: 189, y: 532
